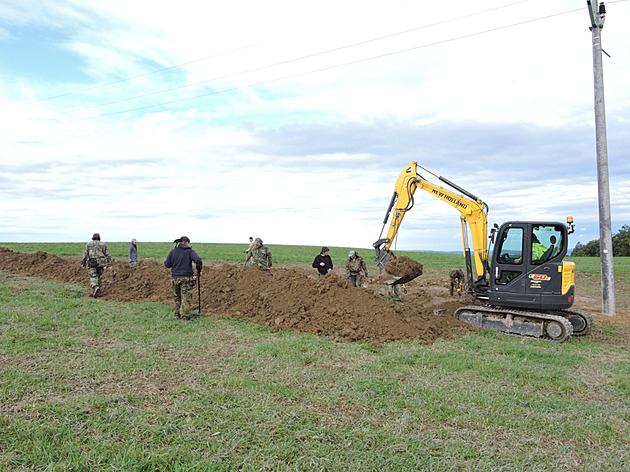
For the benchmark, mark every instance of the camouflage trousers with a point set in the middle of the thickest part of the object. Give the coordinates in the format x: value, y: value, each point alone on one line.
x: 455, y: 286
x: 392, y: 293
x: 95, y: 275
x: 182, y: 295
x: 355, y: 280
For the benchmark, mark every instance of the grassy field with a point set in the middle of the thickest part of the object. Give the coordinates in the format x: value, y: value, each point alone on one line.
x: 287, y: 255
x: 91, y: 385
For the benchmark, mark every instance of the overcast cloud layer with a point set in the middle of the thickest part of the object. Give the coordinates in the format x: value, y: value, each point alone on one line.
x: 221, y: 120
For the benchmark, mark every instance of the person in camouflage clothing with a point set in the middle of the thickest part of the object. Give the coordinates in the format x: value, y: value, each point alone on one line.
x: 354, y: 267
x: 96, y: 258
x: 260, y: 256
x: 457, y: 279
x: 180, y: 261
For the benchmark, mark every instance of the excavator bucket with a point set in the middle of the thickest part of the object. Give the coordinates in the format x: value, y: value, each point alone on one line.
x: 403, y: 269
x: 402, y: 280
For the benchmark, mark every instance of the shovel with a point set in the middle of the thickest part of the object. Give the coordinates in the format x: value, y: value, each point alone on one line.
x: 199, y: 291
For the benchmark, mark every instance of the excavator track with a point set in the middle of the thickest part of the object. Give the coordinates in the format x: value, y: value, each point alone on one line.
x: 525, y: 324
x: 581, y: 321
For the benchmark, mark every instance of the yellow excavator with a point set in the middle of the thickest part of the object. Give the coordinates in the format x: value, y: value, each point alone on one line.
x: 526, y: 290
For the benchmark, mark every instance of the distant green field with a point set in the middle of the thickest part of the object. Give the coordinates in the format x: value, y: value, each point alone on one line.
x: 282, y: 254
x: 291, y: 255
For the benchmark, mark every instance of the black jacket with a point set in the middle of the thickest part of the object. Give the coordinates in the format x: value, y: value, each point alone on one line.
x: 327, y: 264
x: 180, y: 260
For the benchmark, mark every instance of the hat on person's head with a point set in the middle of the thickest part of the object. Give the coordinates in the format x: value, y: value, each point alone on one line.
x: 351, y: 253
x: 258, y: 241
x: 96, y: 236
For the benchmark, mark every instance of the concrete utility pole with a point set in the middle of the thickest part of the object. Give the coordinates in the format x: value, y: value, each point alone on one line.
x: 605, y: 232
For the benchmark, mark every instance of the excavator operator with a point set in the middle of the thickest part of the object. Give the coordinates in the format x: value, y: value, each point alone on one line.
x: 537, y: 249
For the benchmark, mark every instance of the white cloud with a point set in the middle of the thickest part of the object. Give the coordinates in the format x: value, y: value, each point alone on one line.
x: 312, y: 159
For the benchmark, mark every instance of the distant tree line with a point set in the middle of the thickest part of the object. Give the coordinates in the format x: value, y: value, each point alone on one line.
x: 620, y: 241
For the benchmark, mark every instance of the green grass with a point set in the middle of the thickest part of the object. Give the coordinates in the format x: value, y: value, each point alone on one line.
x: 592, y: 265
x: 92, y: 385
x: 285, y: 254
x: 282, y: 254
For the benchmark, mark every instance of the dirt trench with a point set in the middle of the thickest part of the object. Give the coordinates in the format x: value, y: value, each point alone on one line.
x: 294, y: 298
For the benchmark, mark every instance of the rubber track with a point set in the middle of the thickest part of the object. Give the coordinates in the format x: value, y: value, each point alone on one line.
x: 586, y: 317
x: 532, y: 316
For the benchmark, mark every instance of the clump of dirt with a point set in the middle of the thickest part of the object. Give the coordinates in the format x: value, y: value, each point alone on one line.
x: 292, y: 298
x: 403, y: 266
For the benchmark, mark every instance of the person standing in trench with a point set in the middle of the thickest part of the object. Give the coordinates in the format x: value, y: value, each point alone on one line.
x: 180, y: 261
x: 96, y: 258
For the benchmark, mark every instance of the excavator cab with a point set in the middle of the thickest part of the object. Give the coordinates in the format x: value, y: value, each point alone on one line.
x: 527, y: 269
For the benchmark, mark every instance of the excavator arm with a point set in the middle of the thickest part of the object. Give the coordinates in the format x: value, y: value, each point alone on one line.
x: 473, y: 216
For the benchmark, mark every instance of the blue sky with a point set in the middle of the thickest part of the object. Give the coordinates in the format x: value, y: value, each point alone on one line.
x: 138, y: 119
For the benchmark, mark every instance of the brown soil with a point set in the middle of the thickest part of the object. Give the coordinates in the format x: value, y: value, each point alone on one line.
x: 294, y: 298
x: 404, y: 267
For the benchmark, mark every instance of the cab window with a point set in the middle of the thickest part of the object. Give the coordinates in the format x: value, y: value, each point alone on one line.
x: 511, y: 247
x: 546, y: 243
x: 510, y: 252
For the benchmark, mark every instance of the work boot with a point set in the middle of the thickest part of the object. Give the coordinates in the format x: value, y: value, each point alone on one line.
x: 96, y: 289
x: 177, y: 316
x: 185, y: 319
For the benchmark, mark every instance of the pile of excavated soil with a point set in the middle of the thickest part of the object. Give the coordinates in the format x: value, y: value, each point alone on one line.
x: 403, y: 266
x: 292, y: 298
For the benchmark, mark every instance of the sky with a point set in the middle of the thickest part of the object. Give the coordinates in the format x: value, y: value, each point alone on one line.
x: 291, y: 121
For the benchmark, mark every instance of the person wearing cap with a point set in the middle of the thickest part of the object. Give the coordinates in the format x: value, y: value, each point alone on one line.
x: 323, y: 262
x: 260, y: 256
x: 354, y: 268
x: 180, y: 261
x: 133, y: 252
x: 96, y: 258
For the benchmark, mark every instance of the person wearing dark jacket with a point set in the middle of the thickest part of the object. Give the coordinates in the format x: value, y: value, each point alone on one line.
x: 180, y: 260
x: 323, y: 262
x: 133, y: 252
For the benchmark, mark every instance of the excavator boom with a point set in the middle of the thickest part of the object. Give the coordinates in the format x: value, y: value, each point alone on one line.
x: 473, y: 215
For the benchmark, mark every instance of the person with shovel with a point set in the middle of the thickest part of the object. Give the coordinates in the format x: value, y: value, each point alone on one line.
x: 457, y: 279
x: 180, y: 261
x: 260, y: 256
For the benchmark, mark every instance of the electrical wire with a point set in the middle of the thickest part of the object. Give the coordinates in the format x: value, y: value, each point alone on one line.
x: 176, y: 66
x: 300, y: 74
x: 258, y: 68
